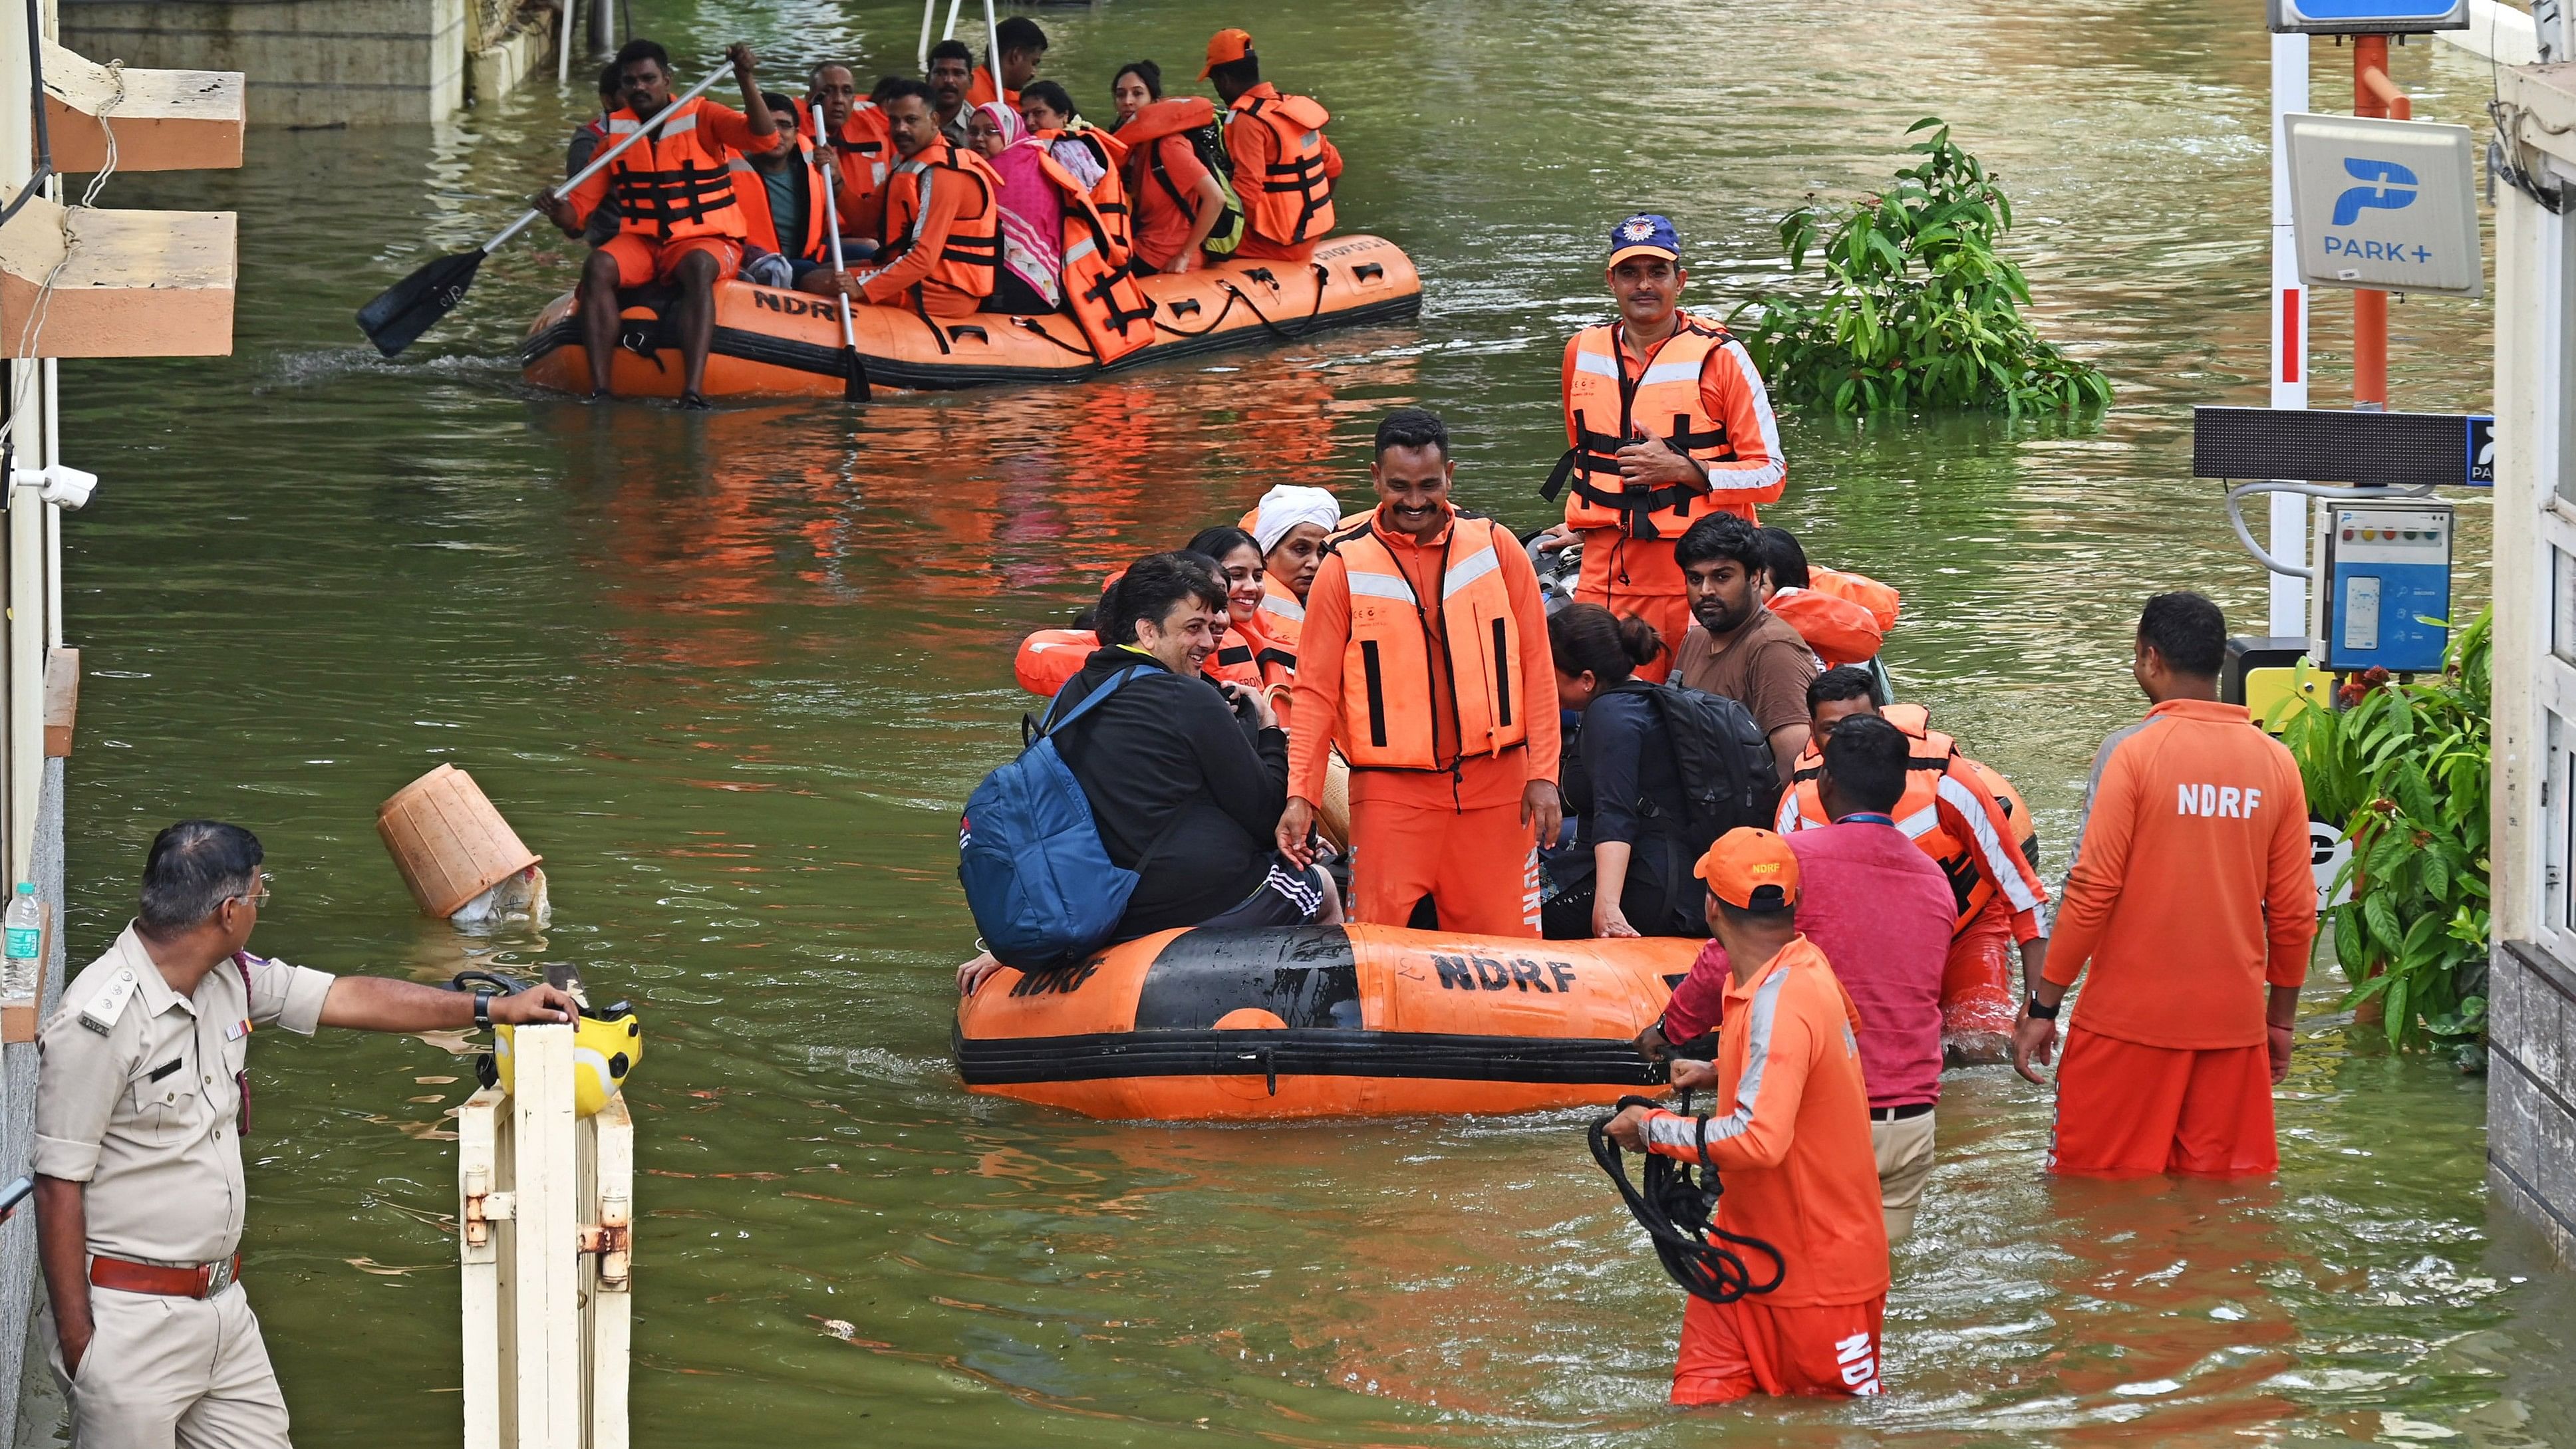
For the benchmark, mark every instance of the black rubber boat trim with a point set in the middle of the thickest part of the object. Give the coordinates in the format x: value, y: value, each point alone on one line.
x: 829, y: 361
x: 1304, y: 1052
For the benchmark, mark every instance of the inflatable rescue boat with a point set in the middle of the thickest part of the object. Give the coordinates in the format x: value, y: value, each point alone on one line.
x: 770, y: 343
x: 1323, y: 1021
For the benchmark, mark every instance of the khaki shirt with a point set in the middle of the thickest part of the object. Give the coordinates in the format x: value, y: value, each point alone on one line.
x: 145, y: 1114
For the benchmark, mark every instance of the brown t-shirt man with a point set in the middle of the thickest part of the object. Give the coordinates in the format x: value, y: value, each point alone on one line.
x: 1765, y: 669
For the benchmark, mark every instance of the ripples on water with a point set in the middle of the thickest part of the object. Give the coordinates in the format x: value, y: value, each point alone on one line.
x: 733, y: 672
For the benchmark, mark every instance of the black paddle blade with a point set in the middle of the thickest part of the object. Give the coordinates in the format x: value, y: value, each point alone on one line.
x: 410, y: 307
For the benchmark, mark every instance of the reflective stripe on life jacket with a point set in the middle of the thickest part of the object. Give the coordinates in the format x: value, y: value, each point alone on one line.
x: 1102, y: 294
x: 1292, y: 201
x: 1386, y: 666
x: 1957, y: 839
x: 678, y: 182
x: 1281, y: 614
x: 1605, y: 411
x: 970, y: 257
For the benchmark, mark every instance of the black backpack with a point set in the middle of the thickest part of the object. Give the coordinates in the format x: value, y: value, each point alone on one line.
x: 1724, y: 760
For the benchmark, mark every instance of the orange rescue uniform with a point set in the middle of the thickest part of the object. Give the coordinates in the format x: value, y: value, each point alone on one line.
x: 1284, y: 169
x: 677, y: 190
x: 1717, y: 410
x: 1790, y: 1137
x: 1428, y: 818
x: 2190, y: 892
x: 862, y: 161
x: 943, y: 233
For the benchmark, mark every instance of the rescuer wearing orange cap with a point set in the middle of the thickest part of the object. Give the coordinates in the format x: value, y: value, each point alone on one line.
x: 1284, y: 168
x: 1424, y: 656
x: 1666, y: 423
x: 1790, y: 1137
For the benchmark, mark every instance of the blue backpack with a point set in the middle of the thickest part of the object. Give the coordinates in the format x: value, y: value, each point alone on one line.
x: 1039, y: 881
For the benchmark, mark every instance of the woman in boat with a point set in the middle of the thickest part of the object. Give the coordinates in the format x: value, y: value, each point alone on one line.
x: 1139, y: 83
x: 1628, y: 873
x: 1030, y: 281
x: 1247, y: 655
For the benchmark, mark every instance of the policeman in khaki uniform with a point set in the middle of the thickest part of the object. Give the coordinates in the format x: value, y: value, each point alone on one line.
x: 139, y: 1106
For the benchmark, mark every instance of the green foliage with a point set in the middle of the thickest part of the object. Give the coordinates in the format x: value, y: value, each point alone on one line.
x: 2406, y: 768
x: 1917, y: 309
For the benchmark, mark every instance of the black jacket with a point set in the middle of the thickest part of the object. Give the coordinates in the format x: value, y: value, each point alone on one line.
x: 1186, y: 794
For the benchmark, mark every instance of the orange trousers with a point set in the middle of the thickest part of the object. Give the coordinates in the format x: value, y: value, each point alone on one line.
x: 2125, y: 1110
x: 1480, y: 867
x: 1637, y: 576
x: 1735, y: 1350
x: 1978, y: 996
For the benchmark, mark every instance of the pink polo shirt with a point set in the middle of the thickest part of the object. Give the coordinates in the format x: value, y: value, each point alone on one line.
x: 1881, y: 911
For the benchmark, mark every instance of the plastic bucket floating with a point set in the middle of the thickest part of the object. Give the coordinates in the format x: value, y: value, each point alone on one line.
x: 448, y: 840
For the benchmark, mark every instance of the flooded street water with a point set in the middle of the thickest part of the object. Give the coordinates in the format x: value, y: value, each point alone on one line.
x: 733, y: 674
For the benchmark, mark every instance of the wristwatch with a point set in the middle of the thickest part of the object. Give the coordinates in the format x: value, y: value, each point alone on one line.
x: 2044, y: 1013
x: 482, y: 1008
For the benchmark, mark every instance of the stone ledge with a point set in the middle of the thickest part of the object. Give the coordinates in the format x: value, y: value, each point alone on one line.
x: 164, y: 120
x: 130, y: 284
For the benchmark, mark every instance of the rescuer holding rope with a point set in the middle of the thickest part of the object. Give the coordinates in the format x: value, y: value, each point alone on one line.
x: 1791, y: 1135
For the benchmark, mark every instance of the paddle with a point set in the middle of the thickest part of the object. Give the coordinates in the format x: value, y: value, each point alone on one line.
x: 854, y: 376
x: 410, y: 307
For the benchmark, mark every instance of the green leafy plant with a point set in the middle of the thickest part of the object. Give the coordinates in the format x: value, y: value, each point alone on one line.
x: 2405, y: 766
x: 1917, y: 309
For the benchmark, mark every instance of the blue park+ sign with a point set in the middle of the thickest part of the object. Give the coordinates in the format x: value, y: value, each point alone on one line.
x: 2367, y: 17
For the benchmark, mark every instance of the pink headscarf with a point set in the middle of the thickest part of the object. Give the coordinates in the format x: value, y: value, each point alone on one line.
x: 1032, y: 208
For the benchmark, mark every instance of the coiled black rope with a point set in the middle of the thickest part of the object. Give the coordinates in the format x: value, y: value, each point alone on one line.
x: 1677, y: 1206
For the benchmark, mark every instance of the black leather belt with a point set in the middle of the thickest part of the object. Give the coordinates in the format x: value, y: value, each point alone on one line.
x: 1900, y: 1114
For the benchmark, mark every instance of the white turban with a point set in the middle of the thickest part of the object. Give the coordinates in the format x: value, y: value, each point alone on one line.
x: 1286, y: 506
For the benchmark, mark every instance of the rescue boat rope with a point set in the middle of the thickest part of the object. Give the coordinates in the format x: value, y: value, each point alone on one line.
x: 1677, y: 1207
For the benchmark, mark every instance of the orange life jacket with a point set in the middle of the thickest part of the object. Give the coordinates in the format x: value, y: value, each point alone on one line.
x: 2025, y: 830
x: 680, y: 181
x: 1293, y: 201
x: 971, y: 257
x: 1386, y: 708
x: 1881, y: 600
x: 1109, y: 193
x: 1930, y: 754
x: 1237, y: 660
x: 1605, y: 412
x: 1838, y: 630
x: 1099, y: 291
x: 1283, y: 617
x: 1049, y: 657
x: 761, y: 224
x: 863, y: 157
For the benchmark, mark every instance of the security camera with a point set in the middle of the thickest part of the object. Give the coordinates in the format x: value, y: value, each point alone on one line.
x: 65, y: 488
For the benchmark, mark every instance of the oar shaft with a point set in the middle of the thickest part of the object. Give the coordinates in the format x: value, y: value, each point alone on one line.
x: 832, y: 199
x: 600, y: 162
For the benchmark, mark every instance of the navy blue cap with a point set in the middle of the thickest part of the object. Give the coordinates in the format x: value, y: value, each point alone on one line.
x: 1644, y: 233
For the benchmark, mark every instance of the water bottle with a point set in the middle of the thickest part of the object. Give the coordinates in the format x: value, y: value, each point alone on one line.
x: 25, y: 923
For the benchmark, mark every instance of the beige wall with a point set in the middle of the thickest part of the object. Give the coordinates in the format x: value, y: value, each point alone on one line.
x: 309, y: 62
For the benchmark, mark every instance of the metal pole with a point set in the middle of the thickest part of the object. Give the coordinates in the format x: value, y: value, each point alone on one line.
x: 993, y: 52
x: 603, y: 26
x: 2289, y: 602
x: 949, y: 32
x: 563, y: 47
x: 2372, y: 95
x: 929, y: 12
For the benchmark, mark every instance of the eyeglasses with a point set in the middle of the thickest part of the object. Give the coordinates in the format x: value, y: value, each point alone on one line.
x: 258, y: 897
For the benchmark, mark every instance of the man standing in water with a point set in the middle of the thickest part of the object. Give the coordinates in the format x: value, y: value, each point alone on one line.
x: 140, y: 1107
x: 1790, y: 1132
x: 678, y: 220
x: 1424, y: 656
x: 1666, y: 423
x: 2192, y: 899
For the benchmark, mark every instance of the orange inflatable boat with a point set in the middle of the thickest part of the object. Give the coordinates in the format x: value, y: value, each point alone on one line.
x: 1323, y: 1021
x: 771, y: 343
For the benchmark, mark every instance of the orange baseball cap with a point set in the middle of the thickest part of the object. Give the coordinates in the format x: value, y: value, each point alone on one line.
x: 1226, y: 47
x: 1751, y: 870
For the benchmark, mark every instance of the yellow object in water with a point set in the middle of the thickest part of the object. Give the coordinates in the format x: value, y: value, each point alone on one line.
x: 605, y: 1050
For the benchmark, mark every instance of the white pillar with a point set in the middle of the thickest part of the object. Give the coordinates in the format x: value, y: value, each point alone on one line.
x: 2289, y: 541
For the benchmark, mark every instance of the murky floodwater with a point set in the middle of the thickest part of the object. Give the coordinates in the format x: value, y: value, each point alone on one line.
x: 733, y: 673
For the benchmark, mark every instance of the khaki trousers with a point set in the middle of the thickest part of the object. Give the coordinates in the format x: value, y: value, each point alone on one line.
x: 164, y: 1372
x: 1904, y: 1165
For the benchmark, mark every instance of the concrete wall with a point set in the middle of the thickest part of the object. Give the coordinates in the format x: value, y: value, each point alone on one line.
x: 29, y: 1402
x: 310, y: 62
